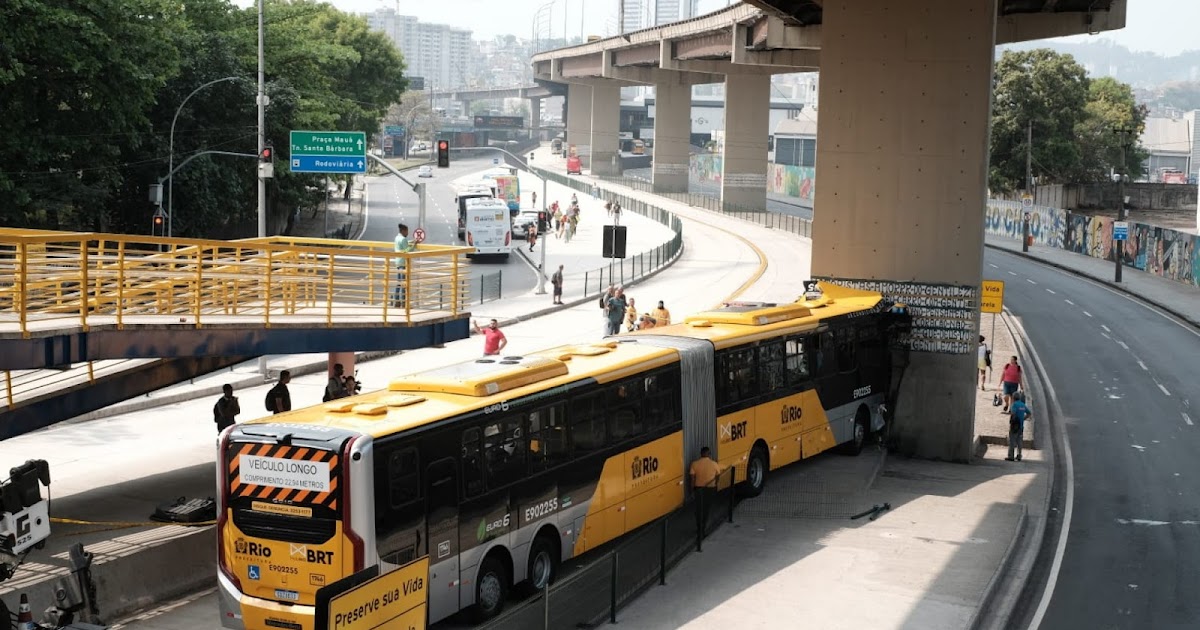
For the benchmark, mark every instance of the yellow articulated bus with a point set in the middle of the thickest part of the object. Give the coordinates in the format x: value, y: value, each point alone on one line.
x: 501, y: 468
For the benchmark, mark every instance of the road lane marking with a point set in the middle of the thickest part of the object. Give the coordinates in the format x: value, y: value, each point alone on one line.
x: 1186, y: 418
x: 1051, y: 291
x: 1105, y: 335
x: 1122, y: 344
x: 1106, y: 329
x: 993, y: 266
x: 1069, y: 302
x: 1163, y: 388
x: 1012, y: 273
x: 1143, y: 365
x: 1087, y: 313
x: 1030, y: 281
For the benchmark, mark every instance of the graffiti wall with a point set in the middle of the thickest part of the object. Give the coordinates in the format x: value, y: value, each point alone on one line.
x: 794, y: 181
x: 944, y: 316
x: 1161, y: 251
x: 705, y: 167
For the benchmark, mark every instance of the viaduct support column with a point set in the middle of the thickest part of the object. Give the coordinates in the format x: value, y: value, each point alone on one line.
x: 747, y: 119
x: 672, y: 130
x: 579, y: 120
x: 901, y: 186
x: 606, y: 128
x: 535, y: 118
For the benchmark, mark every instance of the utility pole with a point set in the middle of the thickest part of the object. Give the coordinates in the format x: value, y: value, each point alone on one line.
x: 541, y: 276
x: 261, y: 100
x: 1028, y: 186
x: 1125, y: 134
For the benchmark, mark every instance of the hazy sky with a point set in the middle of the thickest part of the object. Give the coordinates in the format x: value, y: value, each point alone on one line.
x: 1162, y: 26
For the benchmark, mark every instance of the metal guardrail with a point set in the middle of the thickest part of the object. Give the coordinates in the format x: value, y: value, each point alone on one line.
x: 787, y: 222
x: 623, y: 271
x: 593, y: 594
x: 52, y: 280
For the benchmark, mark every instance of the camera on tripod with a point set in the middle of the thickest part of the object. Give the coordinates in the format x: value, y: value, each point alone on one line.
x: 352, y: 384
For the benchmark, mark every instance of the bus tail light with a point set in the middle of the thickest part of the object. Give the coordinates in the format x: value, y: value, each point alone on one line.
x: 470, y: 240
x: 347, y: 517
x: 223, y: 512
x: 508, y: 238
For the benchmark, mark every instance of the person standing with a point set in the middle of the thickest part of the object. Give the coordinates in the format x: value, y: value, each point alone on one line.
x: 279, y: 399
x: 401, y: 245
x: 1016, y: 425
x: 984, y: 361
x: 1010, y: 381
x: 227, y: 408
x: 534, y: 204
x: 336, y: 387
x: 616, y: 311
x: 531, y: 234
x: 556, y: 281
x: 662, y: 317
x: 493, y: 340
x: 704, y: 472
x: 631, y: 316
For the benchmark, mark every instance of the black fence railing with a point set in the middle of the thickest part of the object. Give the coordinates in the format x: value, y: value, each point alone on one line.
x: 489, y: 285
x: 595, y: 593
x: 787, y: 222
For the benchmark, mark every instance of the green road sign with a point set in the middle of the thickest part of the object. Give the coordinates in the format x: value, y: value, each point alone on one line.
x: 314, y: 151
x: 329, y: 143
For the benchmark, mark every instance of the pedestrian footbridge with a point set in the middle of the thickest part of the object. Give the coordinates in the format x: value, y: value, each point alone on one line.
x: 70, y: 297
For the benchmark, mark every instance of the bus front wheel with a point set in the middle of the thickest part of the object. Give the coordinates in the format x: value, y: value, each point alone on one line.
x: 491, y: 589
x: 756, y: 472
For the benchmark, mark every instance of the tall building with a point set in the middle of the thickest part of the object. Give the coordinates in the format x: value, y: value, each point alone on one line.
x: 667, y: 11
x: 440, y: 53
x: 637, y: 15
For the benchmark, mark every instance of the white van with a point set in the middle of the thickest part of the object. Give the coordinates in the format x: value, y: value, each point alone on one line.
x: 489, y: 227
x: 465, y: 194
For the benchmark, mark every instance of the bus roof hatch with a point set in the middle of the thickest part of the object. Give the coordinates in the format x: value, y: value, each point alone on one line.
x: 482, y: 377
x: 750, y: 314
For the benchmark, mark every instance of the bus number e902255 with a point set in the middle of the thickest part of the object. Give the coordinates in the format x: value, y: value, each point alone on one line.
x: 541, y: 509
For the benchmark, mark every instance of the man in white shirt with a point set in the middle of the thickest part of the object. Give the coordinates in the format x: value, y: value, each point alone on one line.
x: 984, y: 361
x: 402, y: 245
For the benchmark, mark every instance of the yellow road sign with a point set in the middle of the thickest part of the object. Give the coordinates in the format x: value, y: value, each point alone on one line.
x: 393, y: 600
x: 991, y: 299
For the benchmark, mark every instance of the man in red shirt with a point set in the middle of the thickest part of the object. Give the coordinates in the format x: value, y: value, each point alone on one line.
x: 493, y: 340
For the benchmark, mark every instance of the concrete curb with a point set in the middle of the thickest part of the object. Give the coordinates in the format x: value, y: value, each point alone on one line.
x: 1033, y: 533
x: 238, y: 382
x: 1108, y: 283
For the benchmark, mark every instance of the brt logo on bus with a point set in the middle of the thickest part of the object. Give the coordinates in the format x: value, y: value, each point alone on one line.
x: 733, y: 431
x: 643, y: 466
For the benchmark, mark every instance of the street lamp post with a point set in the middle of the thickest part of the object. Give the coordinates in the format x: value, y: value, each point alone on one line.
x: 1119, y: 251
x: 171, y: 153
x: 261, y: 100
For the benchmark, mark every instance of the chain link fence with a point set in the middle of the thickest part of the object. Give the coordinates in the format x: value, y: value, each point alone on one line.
x: 594, y: 593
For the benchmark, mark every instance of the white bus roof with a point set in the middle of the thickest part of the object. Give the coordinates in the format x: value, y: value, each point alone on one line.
x: 486, y: 202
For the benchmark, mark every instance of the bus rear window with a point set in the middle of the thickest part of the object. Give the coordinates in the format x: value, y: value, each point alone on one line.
x: 284, y: 492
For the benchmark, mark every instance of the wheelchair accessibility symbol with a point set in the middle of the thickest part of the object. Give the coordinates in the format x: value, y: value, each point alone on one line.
x: 253, y: 572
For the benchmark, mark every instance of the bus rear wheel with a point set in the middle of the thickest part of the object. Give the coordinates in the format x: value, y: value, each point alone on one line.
x: 862, y: 430
x: 491, y: 589
x: 756, y: 472
x: 543, y: 564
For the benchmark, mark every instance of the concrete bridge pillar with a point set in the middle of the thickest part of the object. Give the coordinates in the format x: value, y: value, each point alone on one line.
x: 744, y: 164
x: 579, y: 120
x: 672, y: 130
x: 901, y: 187
x: 606, y: 128
x: 535, y: 118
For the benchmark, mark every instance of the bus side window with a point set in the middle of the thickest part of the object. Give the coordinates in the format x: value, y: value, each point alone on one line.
x: 771, y: 366
x: 548, y: 444
x: 826, y: 354
x: 504, y: 452
x: 472, y: 463
x: 625, y: 410
x: 796, y: 363
x: 662, y: 398
x: 737, y: 380
x: 588, y: 430
x: 845, y: 349
x: 404, y: 477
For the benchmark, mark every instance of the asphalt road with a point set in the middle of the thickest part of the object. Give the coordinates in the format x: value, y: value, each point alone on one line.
x: 1125, y: 376
x: 713, y: 189
x: 391, y: 201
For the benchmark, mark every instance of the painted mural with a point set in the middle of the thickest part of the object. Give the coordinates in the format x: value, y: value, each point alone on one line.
x: 706, y: 167
x: 794, y: 181
x: 1161, y: 251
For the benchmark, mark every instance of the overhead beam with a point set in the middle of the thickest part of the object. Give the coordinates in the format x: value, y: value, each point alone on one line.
x: 782, y: 35
x: 646, y: 75
x: 1023, y: 27
x: 787, y: 60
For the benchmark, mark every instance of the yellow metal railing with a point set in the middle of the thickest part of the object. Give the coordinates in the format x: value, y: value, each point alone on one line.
x: 53, y: 279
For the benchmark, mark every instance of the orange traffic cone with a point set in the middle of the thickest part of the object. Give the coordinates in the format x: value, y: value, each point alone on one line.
x: 24, y: 615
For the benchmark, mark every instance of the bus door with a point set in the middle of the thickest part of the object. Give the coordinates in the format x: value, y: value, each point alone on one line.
x: 441, y: 510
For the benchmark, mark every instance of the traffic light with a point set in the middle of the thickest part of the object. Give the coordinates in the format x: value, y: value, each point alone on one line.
x: 443, y: 154
x: 267, y: 154
x: 543, y: 222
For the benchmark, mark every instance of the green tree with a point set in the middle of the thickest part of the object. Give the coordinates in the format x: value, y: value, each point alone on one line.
x: 1111, y: 106
x: 1049, y: 91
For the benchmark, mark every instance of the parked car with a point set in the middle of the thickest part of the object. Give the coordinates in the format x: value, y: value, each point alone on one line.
x: 574, y: 166
x: 522, y: 222
x: 425, y: 171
